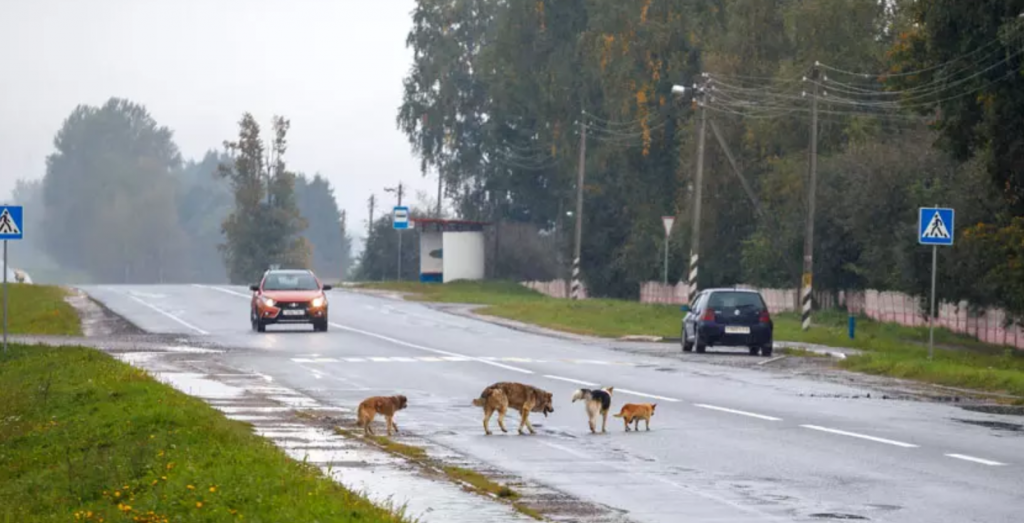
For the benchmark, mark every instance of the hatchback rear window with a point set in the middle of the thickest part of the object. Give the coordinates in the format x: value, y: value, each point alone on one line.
x: 735, y: 300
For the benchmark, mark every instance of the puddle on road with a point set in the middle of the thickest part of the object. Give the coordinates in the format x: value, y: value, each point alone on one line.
x: 838, y: 516
x: 994, y: 425
x: 197, y: 385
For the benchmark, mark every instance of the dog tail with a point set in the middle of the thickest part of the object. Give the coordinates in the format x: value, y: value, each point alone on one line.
x: 619, y: 415
x: 484, y: 396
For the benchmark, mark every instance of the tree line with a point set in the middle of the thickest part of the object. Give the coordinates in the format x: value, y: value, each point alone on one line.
x: 119, y: 204
x: 919, y: 102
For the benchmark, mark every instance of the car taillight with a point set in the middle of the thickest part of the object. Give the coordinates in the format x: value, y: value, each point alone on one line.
x: 709, y: 315
x: 765, y: 317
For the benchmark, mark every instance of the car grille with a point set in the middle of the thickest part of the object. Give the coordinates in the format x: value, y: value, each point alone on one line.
x: 292, y: 304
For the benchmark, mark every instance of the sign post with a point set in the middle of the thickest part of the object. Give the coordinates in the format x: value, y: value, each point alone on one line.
x: 12, y: 221
x: 935, y: 226
x: 667, y: 222
x: 400, y: 222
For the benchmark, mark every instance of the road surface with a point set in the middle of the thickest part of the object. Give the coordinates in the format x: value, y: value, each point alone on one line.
x: 726, y: 444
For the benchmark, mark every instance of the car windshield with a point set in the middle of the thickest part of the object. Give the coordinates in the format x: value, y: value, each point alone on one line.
x: 290, y: 282
x: 735, y: 300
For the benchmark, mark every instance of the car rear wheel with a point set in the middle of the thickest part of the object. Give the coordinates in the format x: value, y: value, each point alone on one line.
x: 698, y: 343
x: 766, y: 350
x: 687, y: 346
x: 754, y: 351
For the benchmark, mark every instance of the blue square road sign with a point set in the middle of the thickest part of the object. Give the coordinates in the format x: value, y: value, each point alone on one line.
x: 12, y: 223
x: 935, y: 226
x: 400, y: 218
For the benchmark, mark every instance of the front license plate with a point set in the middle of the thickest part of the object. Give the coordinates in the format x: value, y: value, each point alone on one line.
x: 294, y: 313
x: 735, y: 329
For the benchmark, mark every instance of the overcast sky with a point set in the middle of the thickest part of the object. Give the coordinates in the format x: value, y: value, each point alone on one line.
x: 334, y: 67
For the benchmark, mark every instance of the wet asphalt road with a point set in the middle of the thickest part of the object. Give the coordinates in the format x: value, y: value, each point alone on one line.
x: 726, y: 444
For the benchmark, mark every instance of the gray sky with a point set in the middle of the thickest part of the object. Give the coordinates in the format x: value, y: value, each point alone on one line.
x: 334, y: 67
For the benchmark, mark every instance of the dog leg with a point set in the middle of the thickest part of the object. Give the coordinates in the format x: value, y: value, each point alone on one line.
x: 501, y: 420
x: 604, y: 422
x: 647, y: 421
x: 367, y: 429
x: 487, y: 420
x: 526, y: 421
x: 388, y: 424
x: 626, y: 421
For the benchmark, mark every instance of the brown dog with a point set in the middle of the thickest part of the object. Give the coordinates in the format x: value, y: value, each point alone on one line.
x: 384, y: 405
x: 524, y: 398
x: 634, y: 412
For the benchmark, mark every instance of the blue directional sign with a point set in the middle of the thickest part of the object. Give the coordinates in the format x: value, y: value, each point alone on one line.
x: 935, y: 226
x: 12, y: 224
x: 400, y: 218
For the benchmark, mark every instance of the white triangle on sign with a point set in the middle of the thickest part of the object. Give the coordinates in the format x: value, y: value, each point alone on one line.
x: 7, y: 225
x: 936, y: 229
x: 667, y: 221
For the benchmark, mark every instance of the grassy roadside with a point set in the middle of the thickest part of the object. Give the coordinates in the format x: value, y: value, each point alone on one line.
x: 40, y: 309
x: 890, y: 350
x: 86, y: 438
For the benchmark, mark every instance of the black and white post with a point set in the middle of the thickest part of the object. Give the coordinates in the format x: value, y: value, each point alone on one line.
x: 935, y: 228
x: 806, y: 282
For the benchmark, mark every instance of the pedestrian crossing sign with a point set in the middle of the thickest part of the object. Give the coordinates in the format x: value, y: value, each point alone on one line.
x: 11, y: 223
x: 935, y: 226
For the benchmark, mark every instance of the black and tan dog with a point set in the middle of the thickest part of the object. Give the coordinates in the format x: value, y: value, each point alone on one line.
x: 634, y: 412
x: 386, y: 406
x: 523, y: 398
x: 598, y: 401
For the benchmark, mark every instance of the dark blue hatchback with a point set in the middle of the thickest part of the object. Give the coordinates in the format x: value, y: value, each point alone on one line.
x: 729, y: 317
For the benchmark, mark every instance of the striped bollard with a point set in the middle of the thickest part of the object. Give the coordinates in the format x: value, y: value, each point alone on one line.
x: 806, y: 302
x: 575, y: 290
x: 693, y: 278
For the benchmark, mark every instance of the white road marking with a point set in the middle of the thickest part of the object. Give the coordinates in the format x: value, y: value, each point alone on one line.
x: 428, y: 349
x: 645, y: 395
x: 354, y: 360
x: 402, y: 359
x: 429, y: 358
x: 976, y: 460
x: 740, y: 412
x: 861, y: 436
x: 570, y: 380
x: 169, y: 315
x: 379, y: 358
x: 455, y: 358
x: 225, y: 291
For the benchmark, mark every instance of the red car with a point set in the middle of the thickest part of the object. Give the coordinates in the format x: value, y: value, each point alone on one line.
x: 289, y: 296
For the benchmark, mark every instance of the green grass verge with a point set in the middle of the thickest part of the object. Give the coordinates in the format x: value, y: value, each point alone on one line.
x: 87, y: 438
x: 890, y: 349
x: 40, y: 309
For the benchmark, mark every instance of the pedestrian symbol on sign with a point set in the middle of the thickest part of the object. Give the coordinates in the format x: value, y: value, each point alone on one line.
x: 7, y: 225
x: 936, y: 228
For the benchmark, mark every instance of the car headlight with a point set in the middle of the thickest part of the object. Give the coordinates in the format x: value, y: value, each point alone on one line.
x: 268, y: 302
x: 318, y: 302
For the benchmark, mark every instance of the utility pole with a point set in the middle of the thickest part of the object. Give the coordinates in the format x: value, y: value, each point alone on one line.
x: 369, y: 231
x: 806, y: 282
x: 698, y: 194
x: 579, y: 209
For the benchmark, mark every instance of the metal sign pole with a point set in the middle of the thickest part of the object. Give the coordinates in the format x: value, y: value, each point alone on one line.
x: 664, y: 277
x: 399, y: 255
x: 5, y: 296
x: 931, y: 316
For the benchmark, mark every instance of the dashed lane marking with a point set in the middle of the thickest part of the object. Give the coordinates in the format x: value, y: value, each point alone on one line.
x: 645, y: 395
x: 167, y: 314
x: 740, y: 412
x: 443, y: 359
x: 570, y: 380
x: 861, y: 436
x: 976, y: 460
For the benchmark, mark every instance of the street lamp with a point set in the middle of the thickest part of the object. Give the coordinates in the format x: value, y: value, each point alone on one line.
x: 679, y: 90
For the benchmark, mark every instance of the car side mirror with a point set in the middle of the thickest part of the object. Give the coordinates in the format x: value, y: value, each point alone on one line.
x: 254, y: 288
x: 328, y: 287
x: 685, y: 308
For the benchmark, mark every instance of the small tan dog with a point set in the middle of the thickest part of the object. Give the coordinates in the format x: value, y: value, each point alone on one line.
x: 387, y: 406
x: 634, y: 412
